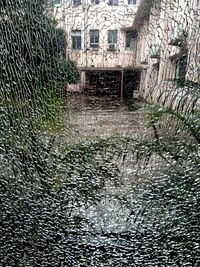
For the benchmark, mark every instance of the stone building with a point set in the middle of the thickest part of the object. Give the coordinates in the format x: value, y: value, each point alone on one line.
x: 100, y: 38
x: 122, y: 46
x: 168, y: 45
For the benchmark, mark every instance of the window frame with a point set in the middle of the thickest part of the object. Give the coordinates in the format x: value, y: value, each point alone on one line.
x: 95, y: 2
x: 76, y: 39
x: 113, y: 2
x: 112, y: 36
x: 58, y: 4
x: 130, y: 2
x: 76, y: 2
x: 93, y: 43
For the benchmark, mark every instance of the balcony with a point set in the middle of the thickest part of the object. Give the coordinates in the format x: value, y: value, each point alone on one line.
x: 178, y: 36
x: 155, y: 51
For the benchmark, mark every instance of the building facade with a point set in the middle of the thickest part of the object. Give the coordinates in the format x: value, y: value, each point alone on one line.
x: 100, y: 38
x: 168, y: 45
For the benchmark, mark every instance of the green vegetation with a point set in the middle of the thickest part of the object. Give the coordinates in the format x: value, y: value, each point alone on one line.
x: 76, y: 200
x: 35, y: 71
x: 76, y: 205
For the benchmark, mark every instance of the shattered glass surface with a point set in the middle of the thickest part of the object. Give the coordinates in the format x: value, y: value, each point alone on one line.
x: 97, y: 178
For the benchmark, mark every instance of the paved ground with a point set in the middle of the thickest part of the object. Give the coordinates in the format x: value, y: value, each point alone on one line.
x: 91, y: 117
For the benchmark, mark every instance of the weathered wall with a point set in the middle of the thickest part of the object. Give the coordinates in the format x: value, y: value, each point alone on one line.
x: 103, y: 17
x: 156, y: 28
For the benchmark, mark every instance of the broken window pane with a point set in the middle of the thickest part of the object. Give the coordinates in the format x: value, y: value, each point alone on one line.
x: 99, y: 133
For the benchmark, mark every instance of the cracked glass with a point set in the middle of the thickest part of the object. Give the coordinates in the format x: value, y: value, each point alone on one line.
x: 99, y: 148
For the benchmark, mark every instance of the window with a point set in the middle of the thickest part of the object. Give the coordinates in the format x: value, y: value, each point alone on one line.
x: 94, y: 2
x: 132, y: 2
x: 76, y: 2
x: 76, y: 39
x: 181, y: 68
x: 112, y: 36
x: 58, y: 2
x: 113, y: 2
x: 94, y: 38
x: 130, y: 35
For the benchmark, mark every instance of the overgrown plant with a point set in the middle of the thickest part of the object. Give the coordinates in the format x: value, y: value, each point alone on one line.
x: 74, y: 206
x: 35, y: 69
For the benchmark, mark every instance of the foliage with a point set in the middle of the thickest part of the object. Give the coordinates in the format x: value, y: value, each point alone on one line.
x: 70, y: 216
x: 76, y: 205
x: 33, y: 58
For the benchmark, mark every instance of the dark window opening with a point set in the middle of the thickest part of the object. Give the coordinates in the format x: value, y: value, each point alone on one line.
x: 94, y: 2
x: 113, y: 2
x: 130, y: 36
x: 103, y: 83
x: 76, y: 2
x: 131, y: 83
x: 132, y: 2
x: 181, y: 68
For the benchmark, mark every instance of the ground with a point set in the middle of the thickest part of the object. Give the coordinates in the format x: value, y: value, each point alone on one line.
x: 92, y: 117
